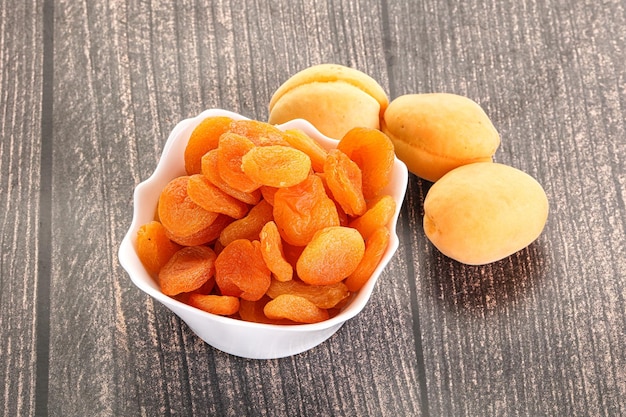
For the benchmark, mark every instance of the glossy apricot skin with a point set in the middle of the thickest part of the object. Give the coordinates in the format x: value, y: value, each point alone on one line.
x: 187, y: 270
x: 295, y: 308
x: 204, y: 138
x: 154, y: 248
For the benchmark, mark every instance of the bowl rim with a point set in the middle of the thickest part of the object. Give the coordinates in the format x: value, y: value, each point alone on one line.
x: 129, y: 259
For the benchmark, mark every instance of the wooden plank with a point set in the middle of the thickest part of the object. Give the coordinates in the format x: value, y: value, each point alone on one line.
x: 540, y: 333
x: 20, y: 139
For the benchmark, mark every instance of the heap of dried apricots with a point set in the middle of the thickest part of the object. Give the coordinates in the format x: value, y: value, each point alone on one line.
x: 268, y: 226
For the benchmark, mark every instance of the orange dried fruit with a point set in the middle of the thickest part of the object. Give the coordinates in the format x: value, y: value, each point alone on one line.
x: 154, y: 248
x: 179, y: 214
x: 268, y: 193
x: 187, y: 270
x: 209, y: 197
x: 260, y: 133
x: 380, y: 211
x: 204, y: 138
x: 223, y: 305
x: 240, y: 270
x: 303, y: 142
x: 300, y: 211
x: 253, y: 311
x: 272, y: 251
x: 373, y: 152
x: 276, y: 165
x: 211, y: 171
x: 204, y: 236
x: 230, y: 151
x: 295, y: 308
x: 249, y: 226
x: 375, y: 247
x: 323, y: 296
x: 343, y: 178
x: 332, y: 255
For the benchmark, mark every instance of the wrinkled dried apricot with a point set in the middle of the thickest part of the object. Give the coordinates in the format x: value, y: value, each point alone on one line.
x: 343, y: 178
x: 332, y: 254
x: 295, y: 308
x: 204, y: 138
x: 374, y: 153
x: 249, y: 226
x: 323, y: 296
x: 179, y: 214
x: 211, y: 171
x: 204, y: 236
x: 240, y: 270
x: 187, y: 270
x: 272, y: 251
x: 375, y: 247
x: 303, y: 142
x: 253, y: 311
x: 260, y: 133
x: 302, y: 210
x: 209, y: 197
x: 154, y: 248
x: 230, y: 151
x: 380, y: 211
x: 223, y: 305
x: 276, y: 165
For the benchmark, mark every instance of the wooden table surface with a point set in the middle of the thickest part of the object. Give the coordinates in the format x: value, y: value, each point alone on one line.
x: 89, y: 93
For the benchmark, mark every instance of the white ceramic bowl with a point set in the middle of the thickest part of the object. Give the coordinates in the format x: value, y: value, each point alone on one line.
x: 241, y: 338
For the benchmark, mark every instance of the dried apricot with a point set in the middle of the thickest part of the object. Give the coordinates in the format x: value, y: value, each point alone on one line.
x: 154, y: 248
x: 260, y: 133
x: 253, y: 311
x: 343, y: 177
x: 204, y: 138
x: 374, y: 153
x: 276, y: 165
x: 230, y: 151
x: 379, y: 213
x: 240, y: 270
x: 302, y: 210
x: 179, y: 214
x: 296, y: 308
x: 209, y: 197
x: 187, y: 270
x: 332, y: 255
x: 204, y: 236
x: 211, y: 171
x: 303, y: 142
x: 375, y: 247
x: 250, y: 226
x: 223, y: 305
x: 323, y: 296
x: 272, y: 251
x: 268, y: 193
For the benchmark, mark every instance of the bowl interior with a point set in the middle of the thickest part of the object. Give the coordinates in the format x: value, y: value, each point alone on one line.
x: 171, y: 165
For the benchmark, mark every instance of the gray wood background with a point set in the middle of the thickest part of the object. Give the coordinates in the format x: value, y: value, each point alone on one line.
x: 89, y: 91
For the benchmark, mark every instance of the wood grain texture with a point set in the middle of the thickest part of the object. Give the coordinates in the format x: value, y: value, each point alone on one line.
x: 20, y: 136
x: 541, y: 333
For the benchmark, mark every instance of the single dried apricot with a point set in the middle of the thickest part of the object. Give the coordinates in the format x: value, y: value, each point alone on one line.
x: 260, y: 133
x: 276, y: 165
x: 204, y: 236
x: 240, y: 270
x: 211, y: 171
x: 323, y: 296
x: 154, y: 248
x: 204, y: 138
x: 343, y: 178
x: 332, y: 255
x: 249, y: 226
x: 295, y: 308
x: 187, y: 270
x: 302, y: 210
x: 373, y: 152
x: 223, y: 305
x: 375, y: 247
x: 179, y: 214
x: 230, y: 151
x: 209, y: 197
x: 303, y: 142
x: 272, y: 251
x: 380, y: 211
